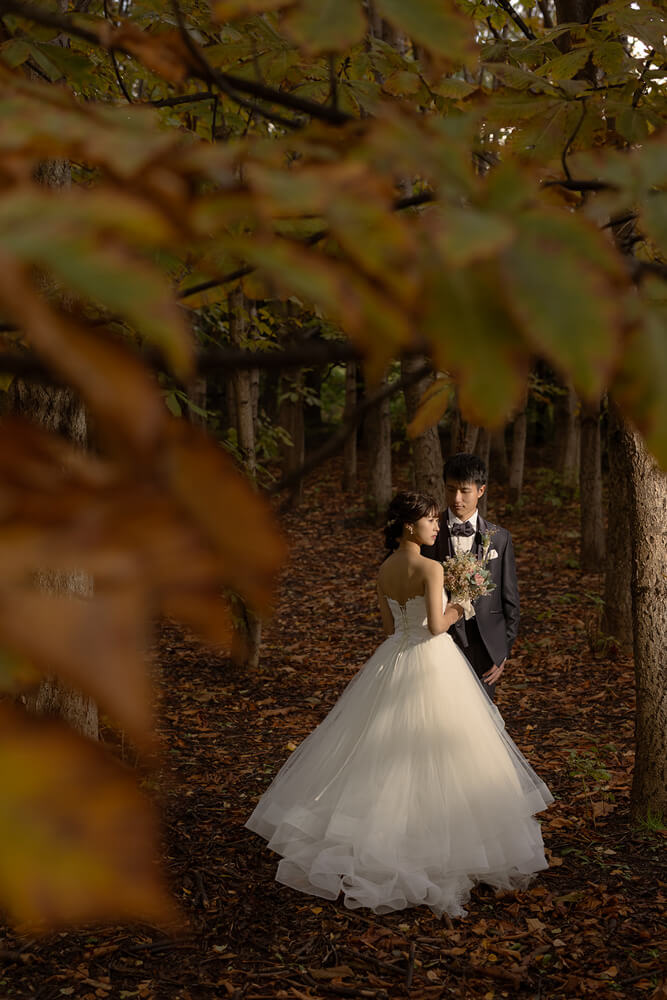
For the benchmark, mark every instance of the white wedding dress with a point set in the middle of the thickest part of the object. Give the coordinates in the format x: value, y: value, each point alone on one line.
x: 410, y: 791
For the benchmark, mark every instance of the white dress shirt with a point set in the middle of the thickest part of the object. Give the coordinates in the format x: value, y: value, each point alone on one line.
x: 462, y: 543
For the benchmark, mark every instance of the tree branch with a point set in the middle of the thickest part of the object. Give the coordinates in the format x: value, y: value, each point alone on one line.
x: 173, y: 102
x: 518, y: 20
x: 411, y: 201
x: 642, y: 79
x: 198, y: 70
x: 116, y: 67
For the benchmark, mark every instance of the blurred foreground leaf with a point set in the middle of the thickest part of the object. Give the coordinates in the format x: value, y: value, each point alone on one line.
x: 77, y: 839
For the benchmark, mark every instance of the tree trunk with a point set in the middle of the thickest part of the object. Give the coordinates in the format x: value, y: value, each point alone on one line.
x: 290, y: 418
x: 197, y: 393
x: 469, y: 438
x: 247, y: 626
x: 498, y: 457
x: 519, y: 434
x: 426, y: 452
x: 567, y: 437
x: 243, y: 394
x: 618, y: 615
x: 59, y: 411
x: 456, y: 430
x: 350, y: 452
x: 378, y: 442
x: 648, y: 529
x: 483, y: 451
x: 592, y: 551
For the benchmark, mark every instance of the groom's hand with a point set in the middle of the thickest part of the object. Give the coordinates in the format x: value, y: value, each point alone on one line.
x: 492, y: 675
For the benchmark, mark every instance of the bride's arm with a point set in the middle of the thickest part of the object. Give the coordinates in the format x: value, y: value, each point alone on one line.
x: 438, y: 621
x: 385, y: 611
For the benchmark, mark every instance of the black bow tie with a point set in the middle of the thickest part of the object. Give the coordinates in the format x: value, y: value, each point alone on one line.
x: 466, y: 529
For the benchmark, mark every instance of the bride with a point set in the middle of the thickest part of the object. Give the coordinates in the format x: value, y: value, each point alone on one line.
x: 410, y: 791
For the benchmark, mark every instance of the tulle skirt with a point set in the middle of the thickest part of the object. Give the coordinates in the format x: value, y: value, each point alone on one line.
x: 409, y: 792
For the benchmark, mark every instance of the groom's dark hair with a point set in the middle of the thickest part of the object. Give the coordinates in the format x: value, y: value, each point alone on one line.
x: 465, y: 468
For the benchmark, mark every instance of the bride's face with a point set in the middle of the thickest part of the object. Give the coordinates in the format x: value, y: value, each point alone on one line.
x: 425, y: 530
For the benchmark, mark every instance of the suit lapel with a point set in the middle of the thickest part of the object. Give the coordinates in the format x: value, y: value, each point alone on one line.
x: 481, y: 528
x: 444, y: 530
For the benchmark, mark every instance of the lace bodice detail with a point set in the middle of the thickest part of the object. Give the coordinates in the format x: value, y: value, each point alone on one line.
x: 410, y: 619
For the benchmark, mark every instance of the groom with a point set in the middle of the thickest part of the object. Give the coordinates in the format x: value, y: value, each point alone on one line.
x: 486, y: 639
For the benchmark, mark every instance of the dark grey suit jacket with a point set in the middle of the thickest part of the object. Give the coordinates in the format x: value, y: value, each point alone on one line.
x: 497, y: 614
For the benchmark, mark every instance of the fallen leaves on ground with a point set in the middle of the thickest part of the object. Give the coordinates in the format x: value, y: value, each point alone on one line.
x: 591, y: 926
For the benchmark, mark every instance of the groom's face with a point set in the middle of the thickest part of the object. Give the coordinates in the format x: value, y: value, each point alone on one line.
x: 462, y: 498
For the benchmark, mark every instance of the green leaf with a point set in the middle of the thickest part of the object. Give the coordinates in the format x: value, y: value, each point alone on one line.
x: 566, y: 66
x: 15, y: 52
x: 560, y: 278
x: 467, y: 234
x: 438, y: 25
x: 326, y: 25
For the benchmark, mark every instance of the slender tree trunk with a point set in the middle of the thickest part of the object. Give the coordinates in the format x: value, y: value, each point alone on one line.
x: 290, y: 418
x: 378, y: 442
x: 350, y: 453
x: 618, y: 615
x: 592, y: 548
x: 426, y: 452
x: 498, y: 457
x: 456, y: 429
x: 242, y: 381
x: 470, y: 435
x: 197, y: 393
x: 648, y: 528
x: 483, y: 451
x: 519, y: 434
x: 59, y: 411
x: 247, y: 625
x: 568, y: 437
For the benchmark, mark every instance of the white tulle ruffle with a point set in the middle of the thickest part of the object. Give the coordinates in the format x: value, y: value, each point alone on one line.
x: 410, y: 791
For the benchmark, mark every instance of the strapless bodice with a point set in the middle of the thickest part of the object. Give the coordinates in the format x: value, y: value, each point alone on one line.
x: 410, y: 619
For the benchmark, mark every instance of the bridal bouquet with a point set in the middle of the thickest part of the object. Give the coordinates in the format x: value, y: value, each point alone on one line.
x: 467, y: 577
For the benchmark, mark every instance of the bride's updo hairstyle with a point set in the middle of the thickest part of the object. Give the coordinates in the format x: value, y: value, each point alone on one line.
x: 406, y: 508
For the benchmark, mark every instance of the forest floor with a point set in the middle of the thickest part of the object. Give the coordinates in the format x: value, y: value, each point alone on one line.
x: 593, y: 925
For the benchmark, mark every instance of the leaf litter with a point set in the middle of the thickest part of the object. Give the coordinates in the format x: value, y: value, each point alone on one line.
x: 593, y: 925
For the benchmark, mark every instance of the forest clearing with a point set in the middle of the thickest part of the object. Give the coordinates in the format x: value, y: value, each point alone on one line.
x: 591, y: 926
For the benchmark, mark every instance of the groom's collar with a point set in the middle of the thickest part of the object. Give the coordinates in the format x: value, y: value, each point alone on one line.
x: 475, y: 519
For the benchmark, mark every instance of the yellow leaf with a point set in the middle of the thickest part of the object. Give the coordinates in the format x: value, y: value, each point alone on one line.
x: 431, y: 407
x: 77, y: 839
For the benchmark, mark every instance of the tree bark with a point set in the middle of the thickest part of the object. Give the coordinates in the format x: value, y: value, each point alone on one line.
x: 568, y: 437
x: 243, y: 393
x: 247, y: 625
x: 519, y: 434
x: 618, y: 615
x: 426, y: 451
x: 350, y: 452
x: 59, y: 411
x: 378, y: 442
x: 648, y: 528
x: 592, y: 548
x: 290, y: 418
x: 483, y: 451
x: 498, y: 456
